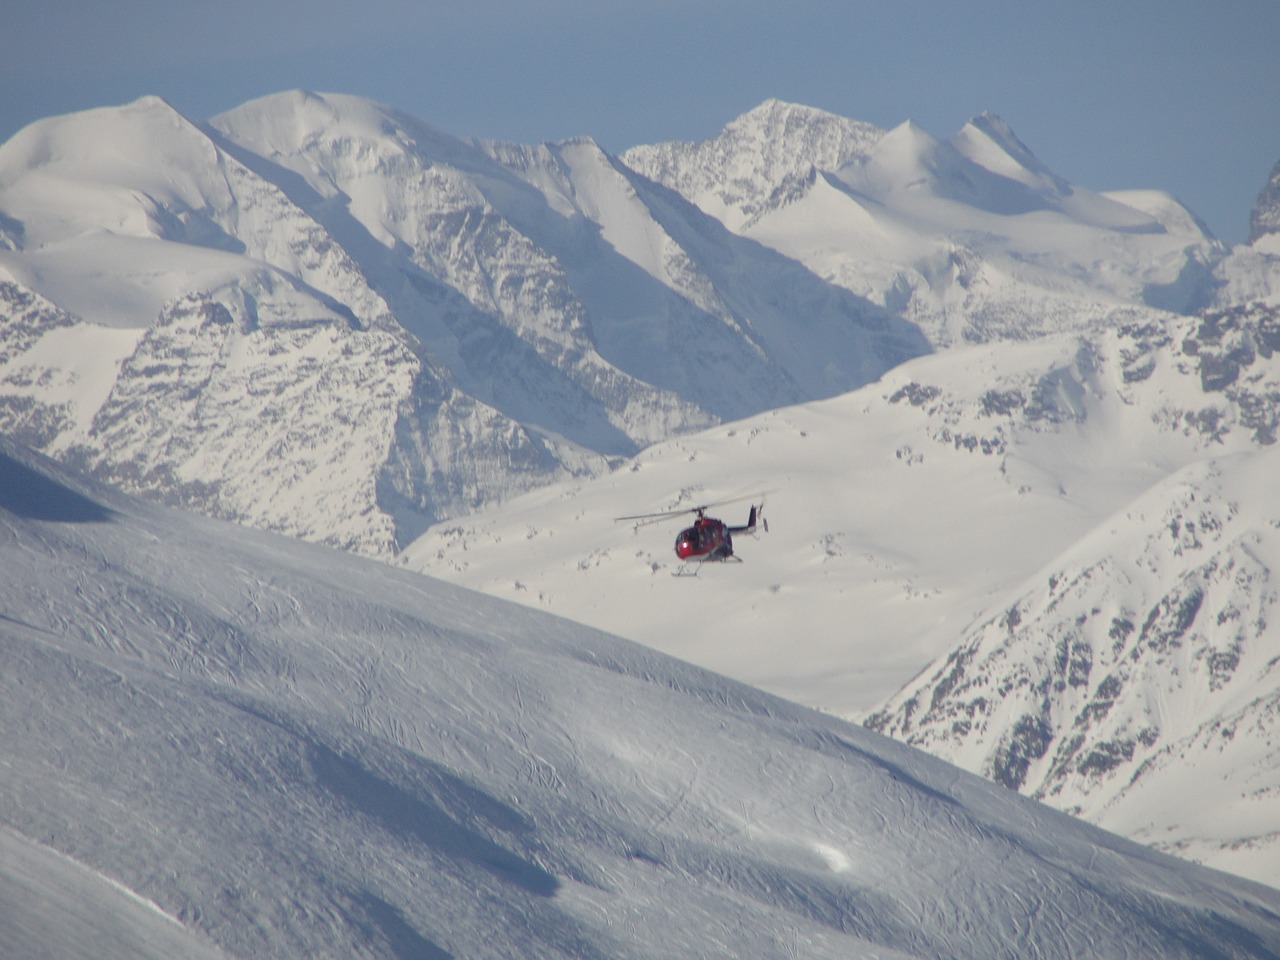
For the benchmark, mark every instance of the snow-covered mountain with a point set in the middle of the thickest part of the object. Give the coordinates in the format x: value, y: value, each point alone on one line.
x: 221, y: 743
x: 971, y: 238
x: 176, y: 323
x: 321, y: 316
x: 1133, y: 681
x: 1131, y: 678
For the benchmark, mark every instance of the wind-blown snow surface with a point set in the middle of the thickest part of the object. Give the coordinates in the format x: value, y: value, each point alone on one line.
x: 220, y: 743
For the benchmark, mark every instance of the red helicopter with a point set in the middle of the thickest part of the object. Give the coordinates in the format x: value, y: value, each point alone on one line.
x: 709, y: 538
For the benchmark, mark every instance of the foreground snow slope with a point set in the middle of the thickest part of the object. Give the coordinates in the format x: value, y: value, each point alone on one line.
x: 231, y: 744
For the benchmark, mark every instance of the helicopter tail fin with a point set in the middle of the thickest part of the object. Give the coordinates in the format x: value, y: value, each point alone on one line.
x: 756, y: 515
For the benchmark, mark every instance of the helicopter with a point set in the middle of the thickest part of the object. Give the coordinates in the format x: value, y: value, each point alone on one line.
x: 708, y: 539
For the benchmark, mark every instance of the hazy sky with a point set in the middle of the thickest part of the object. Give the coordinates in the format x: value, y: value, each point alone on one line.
x: 1174, y: 94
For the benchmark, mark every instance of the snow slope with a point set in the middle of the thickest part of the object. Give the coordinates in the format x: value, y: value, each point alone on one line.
x: 221, y: 743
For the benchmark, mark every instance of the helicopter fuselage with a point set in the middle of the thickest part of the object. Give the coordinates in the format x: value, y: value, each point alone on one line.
x: 707, y: 539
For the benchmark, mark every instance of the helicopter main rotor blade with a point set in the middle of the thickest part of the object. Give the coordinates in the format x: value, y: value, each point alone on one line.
x: 662, y: 515
x: 702, y: 508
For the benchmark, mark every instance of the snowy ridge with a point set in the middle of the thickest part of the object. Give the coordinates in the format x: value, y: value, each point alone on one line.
x: 972, y: 238
x: 543, y: 239
x: 547, y: 309
x: 292, y: 753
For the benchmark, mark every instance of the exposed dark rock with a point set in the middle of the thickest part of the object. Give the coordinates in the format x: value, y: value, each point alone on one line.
x: 1027, y: 742
x: 917, y: 394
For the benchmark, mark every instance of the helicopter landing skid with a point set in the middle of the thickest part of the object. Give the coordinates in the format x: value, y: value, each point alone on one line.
x: 692, y: 568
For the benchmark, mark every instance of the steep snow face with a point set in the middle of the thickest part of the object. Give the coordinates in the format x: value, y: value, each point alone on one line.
x: 646, y: 306
x: 387, y: 178
x: 991, y: 143
x: 973, y: 239
x: 229, y: 355
x: 290, y: 425
x: 1132, y: 681
x: 236, y: 745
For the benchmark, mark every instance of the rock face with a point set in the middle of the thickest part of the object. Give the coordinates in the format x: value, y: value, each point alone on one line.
x: 1265, y: 219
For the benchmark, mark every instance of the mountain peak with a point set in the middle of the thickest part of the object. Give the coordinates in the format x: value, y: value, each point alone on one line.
x: 774, y: 110
x: 828, y: 136
x: 733, y: 173
x: 990, y: 142
x: 908, y: 131
x: 94, y: 133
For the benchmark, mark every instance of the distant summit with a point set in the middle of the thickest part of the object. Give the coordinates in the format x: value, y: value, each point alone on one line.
x: 733, y: 174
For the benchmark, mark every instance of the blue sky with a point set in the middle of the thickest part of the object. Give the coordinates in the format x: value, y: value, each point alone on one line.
x: 1174, y: 94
